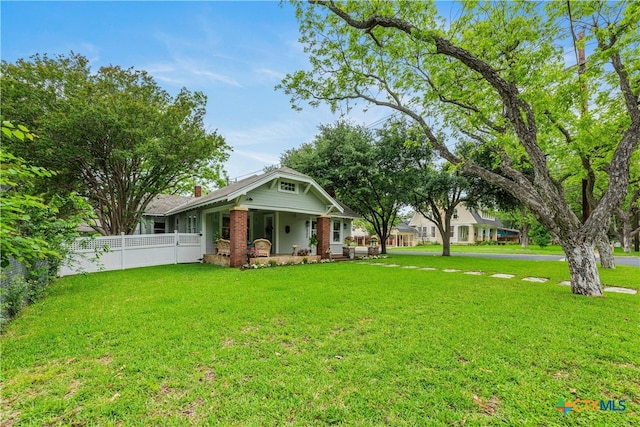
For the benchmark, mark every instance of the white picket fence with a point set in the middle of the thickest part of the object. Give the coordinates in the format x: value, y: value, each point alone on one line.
x: 123, y: 252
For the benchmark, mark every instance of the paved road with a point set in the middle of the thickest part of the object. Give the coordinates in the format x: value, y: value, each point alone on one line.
x: 620, y: 260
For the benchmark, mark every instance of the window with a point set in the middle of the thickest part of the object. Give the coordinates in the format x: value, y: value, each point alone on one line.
x: 336, y: 232
x: 486, y: 215
x: 159, y: 227
x: 288, y: 187
x: 451, y: 231
x: 433, y: 231
x: 191, y: 223
x: 225, y: 232
x: 455, y: 214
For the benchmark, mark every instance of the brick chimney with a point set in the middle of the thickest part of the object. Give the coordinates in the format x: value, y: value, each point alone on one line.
x: 197, y: 191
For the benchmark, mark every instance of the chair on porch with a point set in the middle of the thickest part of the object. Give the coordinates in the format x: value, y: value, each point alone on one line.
x: 223, y: 247
x: 262, y: 247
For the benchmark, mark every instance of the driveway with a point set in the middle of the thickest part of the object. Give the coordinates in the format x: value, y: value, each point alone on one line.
x: 620, y: 260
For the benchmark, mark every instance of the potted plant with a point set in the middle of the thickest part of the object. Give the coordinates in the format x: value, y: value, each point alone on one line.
x: 313, y: 242
x: 349, y: 248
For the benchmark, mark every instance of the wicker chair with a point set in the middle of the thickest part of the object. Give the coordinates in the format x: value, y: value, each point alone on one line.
x: 223, y: 247
x: 262, y: 247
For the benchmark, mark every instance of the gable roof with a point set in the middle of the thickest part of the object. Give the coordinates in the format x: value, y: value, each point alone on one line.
x: 163, y: 203
x: 240, y: 188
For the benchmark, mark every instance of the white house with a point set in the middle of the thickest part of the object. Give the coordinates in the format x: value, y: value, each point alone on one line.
x: 468, y: 226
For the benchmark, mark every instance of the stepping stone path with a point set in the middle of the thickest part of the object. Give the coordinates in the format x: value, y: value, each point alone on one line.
x: 620, y: 290
x: 503, y: 276
x: 535, y: 279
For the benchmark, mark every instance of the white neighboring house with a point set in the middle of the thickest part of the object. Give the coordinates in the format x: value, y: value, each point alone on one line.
x: 468, y: 226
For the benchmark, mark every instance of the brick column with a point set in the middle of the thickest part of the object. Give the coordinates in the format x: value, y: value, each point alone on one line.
x: 324, y: 236
x: 238, y: 236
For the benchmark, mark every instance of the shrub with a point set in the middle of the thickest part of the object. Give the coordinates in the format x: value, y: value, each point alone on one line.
x: 13, y: 296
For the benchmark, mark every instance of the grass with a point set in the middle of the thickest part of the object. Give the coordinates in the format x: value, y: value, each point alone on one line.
x: 499, y: 249
x: 340, y: 343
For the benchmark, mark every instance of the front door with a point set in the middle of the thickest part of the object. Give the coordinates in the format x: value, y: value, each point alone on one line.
x: 269, y: 233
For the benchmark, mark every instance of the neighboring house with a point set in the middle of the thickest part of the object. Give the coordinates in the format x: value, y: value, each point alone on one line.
x: 155, y: 219
x: 468, y: 226
x: 402, y: 235
x: 283, y: 206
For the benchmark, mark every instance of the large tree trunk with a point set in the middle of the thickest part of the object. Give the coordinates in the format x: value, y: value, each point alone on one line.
x: 605, y: 251
x: 446, y: 244
x: 524, y: 236
x: 585, y: 279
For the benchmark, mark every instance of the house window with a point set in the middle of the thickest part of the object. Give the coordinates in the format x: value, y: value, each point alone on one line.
x: 191, y: 223
x: 451, y: 231
x: 159, y: 227
x: 433, y: 231
x: 455, y: 214
x: 225, y: 232
x: 288, y: 187
x: 336, y: 232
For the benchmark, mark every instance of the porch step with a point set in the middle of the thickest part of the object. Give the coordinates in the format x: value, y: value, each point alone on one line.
x: 339, y: 258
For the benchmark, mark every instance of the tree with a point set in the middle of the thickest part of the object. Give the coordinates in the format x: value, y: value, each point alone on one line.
x: 113, y: 136
x: 370, y: 173
x: 32, y: 231
x: 436, y: 196
x: 497, y: 75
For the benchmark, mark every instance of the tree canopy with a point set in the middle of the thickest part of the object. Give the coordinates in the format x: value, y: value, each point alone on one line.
x: 114, y: 136
x: 369, y: 171
x: 496, y: 75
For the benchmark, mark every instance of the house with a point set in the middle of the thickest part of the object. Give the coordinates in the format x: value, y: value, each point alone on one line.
x: 155, y: 219
x: 282, y: 206
x: 402, y: 235
x: 468, y: 226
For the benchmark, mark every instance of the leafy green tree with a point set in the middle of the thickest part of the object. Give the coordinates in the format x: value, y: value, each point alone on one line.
x: 436, y: 195
x: 495, y: 73
x: 32, y: 230
x: 540, y: 235
x: 369, y: 172
x: 113, y: 136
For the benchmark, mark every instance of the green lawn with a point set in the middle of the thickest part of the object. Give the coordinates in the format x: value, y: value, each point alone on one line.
x: 341, y: 343
x: 500, y: 249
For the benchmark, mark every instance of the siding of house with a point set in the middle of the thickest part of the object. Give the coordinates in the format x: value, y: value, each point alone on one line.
x: 270, y: 197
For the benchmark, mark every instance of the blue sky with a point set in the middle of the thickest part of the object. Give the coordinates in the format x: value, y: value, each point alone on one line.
x: 235, y: 52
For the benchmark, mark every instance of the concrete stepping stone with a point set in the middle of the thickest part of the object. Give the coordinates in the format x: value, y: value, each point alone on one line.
x: 620, y: 290
x: 409, y: 266
x: 565, y: 283
x: 474, y: 273
x: 390, y: 265
x: 503, y: 276
x: 428, y: 269
x: 536, y: 279
x: 451, y: 270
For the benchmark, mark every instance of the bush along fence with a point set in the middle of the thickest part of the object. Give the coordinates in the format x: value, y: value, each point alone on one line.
x: 21, y: 285
x: 122, y: 252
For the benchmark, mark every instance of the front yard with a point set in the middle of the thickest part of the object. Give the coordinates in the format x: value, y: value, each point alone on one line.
x: 340, y: 343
